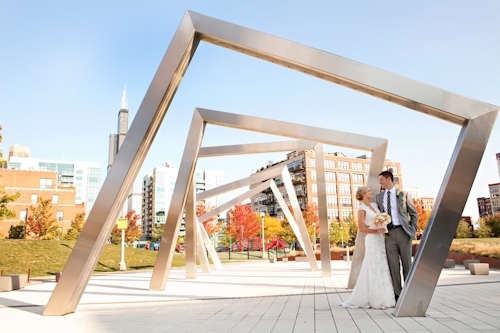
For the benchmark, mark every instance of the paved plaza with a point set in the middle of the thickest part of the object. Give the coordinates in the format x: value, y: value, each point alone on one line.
x: 250, y: 297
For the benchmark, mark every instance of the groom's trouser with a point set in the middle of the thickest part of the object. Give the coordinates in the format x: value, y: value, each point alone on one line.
x: 398, y: 248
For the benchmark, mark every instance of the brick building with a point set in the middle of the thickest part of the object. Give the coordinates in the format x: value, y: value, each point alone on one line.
x: 343, y: 177
x: 495, y: 198
x: 484, y: 206
x: 34, y: 185
x: 427, y: 203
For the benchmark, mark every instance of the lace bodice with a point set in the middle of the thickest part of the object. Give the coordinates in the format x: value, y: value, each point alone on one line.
x: 370, y: 214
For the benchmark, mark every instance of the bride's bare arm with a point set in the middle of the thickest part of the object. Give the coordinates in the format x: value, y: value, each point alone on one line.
x: 363, y: 227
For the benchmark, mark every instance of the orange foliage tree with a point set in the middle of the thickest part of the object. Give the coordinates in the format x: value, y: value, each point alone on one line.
x: 42, y: 225
x: 310, y: 216
x: 212, y: 225
x: 242, y: 216
x: 423, y: 215
x: 132, y: 233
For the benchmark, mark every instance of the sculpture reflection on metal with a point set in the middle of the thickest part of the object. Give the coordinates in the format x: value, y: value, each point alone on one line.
x: 476, y: 118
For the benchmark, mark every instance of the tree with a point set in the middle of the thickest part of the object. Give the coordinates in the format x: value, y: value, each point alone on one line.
x: 241, y: 220
x: 336, y: 234
x: 494, y: 224
x: 223, y: 237
x: 423, y: 215
x: 272, y: 227
x: 157, y: 232
x: 463, y: 230
x: 42, y: 225
x: 353, y: 227
x: 484, y: 230
x: 4, y: 198
x: 212, y: 225
x: 76, y: 227
x: 18, y: 231
x: 132, y: 233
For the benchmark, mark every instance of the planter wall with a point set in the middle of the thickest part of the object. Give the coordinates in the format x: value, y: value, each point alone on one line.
x: 333, y: 256
x: 460, y: 257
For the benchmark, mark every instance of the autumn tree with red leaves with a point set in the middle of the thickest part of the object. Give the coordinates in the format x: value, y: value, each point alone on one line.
x: 132, y: 233
x: 212, y: 225
x: 242, y: 216
x: 42, y: 225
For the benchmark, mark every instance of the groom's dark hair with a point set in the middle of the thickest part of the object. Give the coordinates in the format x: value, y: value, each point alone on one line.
x: 387, y: 174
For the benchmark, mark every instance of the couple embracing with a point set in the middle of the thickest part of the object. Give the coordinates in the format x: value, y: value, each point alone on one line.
x: 379, y: 281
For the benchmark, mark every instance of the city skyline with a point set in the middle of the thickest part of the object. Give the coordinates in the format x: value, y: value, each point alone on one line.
x: 78, y: 75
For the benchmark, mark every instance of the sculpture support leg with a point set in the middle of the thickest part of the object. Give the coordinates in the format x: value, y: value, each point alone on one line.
x: 450, y: 202
x: 324, y: 234
x: 376, y: 167
x: 174, y: 216
x: 200, y: 248
x: 209, y: 246
x: 191, y: 233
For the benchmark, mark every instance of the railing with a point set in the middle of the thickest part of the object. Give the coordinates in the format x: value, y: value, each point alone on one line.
x: 298, y: 180
x: 267, y: 190
x: 269, y: 202
x: 297, y: 167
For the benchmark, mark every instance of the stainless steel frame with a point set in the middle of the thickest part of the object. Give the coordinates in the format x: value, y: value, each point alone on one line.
x: 477, y: 119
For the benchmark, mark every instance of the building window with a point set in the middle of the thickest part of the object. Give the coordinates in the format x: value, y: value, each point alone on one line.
x: 346, y: 214
x: 494, y: 195
x: 333, y: 214
x: 22, y: 215
x: 344, y: 177
x: 315, y: 200
x: 313, y: 174
x: 367, y: 167
x: 255, y: 201
x: 357, y: 178
x: 346, y: 202
x: 331, y: 201
x: 313, y: 162
x: 345, y: 189
x: 493, y: 188
x: 45, y: 183
x: 396, y: 180
x: 329, y: 164
x: 394, y: 169
x: 315, y: 188
x: 55, y: 199
x: 14, y: 166
x: 60, y: 215
x: 343, y: 165
x: 34, y: 199
x: 357, y: 166
x: 331, y: 188
x: 330, y: 176
x: 298, y: 190
x: 79, y: 172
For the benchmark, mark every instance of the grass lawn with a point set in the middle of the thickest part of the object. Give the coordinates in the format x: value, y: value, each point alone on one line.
x: 487, y: 247
x: 47, y: 257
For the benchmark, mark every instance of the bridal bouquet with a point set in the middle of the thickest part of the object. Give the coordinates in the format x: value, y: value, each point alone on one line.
x: 381, y: 220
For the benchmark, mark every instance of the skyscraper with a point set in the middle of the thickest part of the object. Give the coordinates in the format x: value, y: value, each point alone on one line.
x: 116, y: 140
x: 498, y: 163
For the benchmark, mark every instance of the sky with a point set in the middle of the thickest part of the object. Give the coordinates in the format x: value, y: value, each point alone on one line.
x: 64, y: 65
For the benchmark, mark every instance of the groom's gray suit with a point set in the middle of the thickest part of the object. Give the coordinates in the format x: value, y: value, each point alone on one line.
x: 398, y: 244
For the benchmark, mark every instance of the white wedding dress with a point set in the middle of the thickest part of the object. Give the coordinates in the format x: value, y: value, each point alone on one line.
x: 374, y: 286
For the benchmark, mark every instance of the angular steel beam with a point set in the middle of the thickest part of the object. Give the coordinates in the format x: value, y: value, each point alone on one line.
x: 256, y: 148
x: 206, y: 244
x: 195, y: 27
x: 191, y: 234
x: 324, y: 234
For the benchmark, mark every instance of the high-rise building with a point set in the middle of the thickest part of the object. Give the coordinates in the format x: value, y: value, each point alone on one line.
x: 19, y: 151
x: 498, y: 163
x: 157, y: 190
x: 134, y: 203
x: 34, y: 185
x: 344, y: 175
x: 484, y: 206
x: 116, y: 140
x: 427, y: 203
x: 84, y: 176
x: 413, y: 191
x: 495, y: 198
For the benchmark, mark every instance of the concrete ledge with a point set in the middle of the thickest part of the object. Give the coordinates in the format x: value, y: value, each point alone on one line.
x: 58, y: 276
x: 18, y: 280
x: 284, y: 259
x: 470, y: 261
x: 5, y: 283
x: 301, y: 259
x: 479, y: 269
x: 272, y: 260
x: 449, y: 263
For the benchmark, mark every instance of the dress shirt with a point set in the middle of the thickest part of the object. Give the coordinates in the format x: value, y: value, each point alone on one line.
x: 394, y: 206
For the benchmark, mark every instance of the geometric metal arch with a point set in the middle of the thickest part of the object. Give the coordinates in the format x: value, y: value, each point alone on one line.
x: 202, y: 117
x: 476, y: 118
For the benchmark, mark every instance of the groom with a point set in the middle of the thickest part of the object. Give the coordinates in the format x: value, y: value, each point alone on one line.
x: 399, y: 205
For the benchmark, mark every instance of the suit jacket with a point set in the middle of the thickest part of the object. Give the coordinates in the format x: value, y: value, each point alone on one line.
x: 406, y: 211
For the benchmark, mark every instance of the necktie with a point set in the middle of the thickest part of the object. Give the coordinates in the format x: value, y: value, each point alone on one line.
x: 389, y: 211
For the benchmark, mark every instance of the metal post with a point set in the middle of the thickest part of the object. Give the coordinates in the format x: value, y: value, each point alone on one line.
x: 248, y: 249
x: 263, y: 252
x: 314, y: 237
x: 230, y: 247
x: 122, y: 266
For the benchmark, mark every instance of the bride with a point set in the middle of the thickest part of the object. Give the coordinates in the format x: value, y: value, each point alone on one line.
x: 374, y: 286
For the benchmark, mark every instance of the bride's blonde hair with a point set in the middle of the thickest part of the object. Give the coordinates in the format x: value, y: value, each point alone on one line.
x: 360, y: 193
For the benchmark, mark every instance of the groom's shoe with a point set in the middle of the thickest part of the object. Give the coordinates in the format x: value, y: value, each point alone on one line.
x: 396, y: 297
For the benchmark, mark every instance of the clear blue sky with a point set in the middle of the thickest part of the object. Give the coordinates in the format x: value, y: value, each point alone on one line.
x: 63, y: 66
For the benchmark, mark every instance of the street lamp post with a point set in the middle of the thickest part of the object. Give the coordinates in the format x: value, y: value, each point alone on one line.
x: 314, y: 237
x: 263, y: 251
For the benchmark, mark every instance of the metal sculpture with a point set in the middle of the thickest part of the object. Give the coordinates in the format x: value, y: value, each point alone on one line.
x: 475, y: 117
